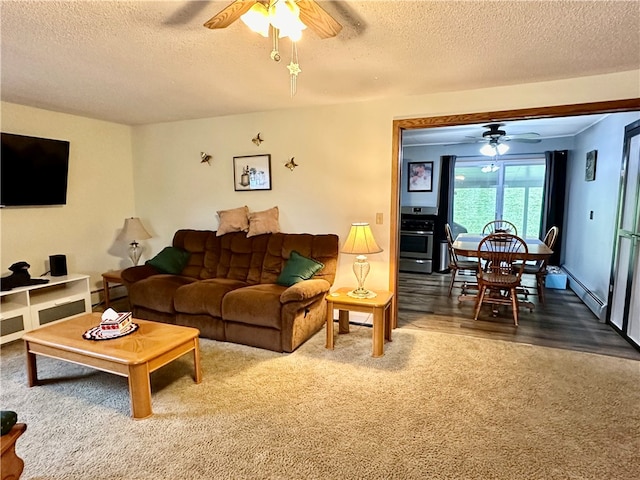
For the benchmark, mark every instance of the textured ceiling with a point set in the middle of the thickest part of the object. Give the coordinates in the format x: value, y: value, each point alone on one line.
x: 146, y: 61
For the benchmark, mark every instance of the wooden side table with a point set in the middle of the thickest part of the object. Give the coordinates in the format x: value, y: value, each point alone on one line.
x: 11, y: 464
x: 107, y: 278
x: 379, y: 306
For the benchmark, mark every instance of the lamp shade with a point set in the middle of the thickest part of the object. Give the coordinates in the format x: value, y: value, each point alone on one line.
x: 133, y: 230
x: 493, y: 149
x: 360, y: 240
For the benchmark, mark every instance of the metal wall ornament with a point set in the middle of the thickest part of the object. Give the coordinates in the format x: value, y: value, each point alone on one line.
x: 291, y: 164
x: 205, y: 158
x: 257, y: 140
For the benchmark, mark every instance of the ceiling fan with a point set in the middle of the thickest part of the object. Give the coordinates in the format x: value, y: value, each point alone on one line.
x: 495, y: 135
x: 311, y: 14
x: 496, y: 138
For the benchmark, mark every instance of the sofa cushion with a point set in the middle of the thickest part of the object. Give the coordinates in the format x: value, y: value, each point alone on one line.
x: 156, y: 292
x: 234, y: 220
x: 170, y: 260
x: 254, y: 305
x: 298, y: 268
x: 205, y: 296
x: 322, y: 248
x: 194, y: 242
x: 264, y: 222
x: 236, y: 257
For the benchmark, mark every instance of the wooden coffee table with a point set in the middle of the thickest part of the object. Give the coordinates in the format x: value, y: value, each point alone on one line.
x: 133, y: 356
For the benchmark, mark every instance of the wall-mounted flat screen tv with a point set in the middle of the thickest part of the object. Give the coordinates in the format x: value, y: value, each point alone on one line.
x: 33, y: 171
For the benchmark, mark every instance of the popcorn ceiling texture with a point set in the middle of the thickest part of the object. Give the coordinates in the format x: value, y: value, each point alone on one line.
x: 147, y: 62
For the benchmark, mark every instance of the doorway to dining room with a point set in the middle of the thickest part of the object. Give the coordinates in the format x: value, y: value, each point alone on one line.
x: 413, y: 295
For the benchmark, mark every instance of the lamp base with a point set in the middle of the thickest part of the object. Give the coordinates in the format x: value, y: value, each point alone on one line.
x: 135, y: 251
x: 362, y: 293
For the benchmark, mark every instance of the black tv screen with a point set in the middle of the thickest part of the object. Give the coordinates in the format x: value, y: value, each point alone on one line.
x: 33, y: 171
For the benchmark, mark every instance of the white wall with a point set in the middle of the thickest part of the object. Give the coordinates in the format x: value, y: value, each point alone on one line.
x: 99, y: 197
x: 344, y: 152
x: 588, y: 244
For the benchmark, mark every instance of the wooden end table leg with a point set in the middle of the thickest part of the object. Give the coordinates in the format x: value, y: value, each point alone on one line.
x: 196, y: 360
x: 387, y: 323
x: 32, y: 367
x: 343, y: 321
x: 329, y: 343
x: 140, y: 390
x: 107, y: 300
x: 378, y: 331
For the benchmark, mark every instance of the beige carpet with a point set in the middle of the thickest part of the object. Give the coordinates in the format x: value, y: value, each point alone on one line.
x: 435, y: 406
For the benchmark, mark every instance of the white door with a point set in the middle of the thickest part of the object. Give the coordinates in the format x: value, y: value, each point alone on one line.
x: 625, y: 286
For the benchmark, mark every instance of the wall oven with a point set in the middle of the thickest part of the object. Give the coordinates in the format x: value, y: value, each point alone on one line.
x: 417, y: 225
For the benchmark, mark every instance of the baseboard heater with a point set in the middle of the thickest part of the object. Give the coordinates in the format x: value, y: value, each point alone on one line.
x: 595, y: 304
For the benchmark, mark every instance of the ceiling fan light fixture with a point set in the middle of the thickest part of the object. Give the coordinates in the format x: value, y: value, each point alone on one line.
x: 491, y: 149
x: 285, y: 16
x: 490, y: 168
x: 257, y: 19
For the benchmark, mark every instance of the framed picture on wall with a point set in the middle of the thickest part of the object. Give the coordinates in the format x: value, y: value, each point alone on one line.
x: 252, y: 172
x: 420, y: 177
x: 590, y: 170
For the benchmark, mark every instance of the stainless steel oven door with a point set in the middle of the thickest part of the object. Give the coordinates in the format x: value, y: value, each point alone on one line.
x: 416, y: 245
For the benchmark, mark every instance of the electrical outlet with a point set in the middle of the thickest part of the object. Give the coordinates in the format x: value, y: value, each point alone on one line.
x: 379, y: 218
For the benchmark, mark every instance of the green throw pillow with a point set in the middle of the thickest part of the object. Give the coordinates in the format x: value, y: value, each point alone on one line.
x: 9, y: 419
x: 297, y: 269
x: 170, y: 260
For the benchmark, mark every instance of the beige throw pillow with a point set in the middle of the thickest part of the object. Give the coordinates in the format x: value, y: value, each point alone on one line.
x: 234, y: 220
x: 263, y: 222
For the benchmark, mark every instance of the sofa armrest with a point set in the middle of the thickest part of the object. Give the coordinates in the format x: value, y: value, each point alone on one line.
x: 305, y: 290
x: 132, y: 275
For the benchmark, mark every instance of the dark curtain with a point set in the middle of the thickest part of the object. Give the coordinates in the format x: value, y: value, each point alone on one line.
x: 445, y: 203
x: 553, y: 198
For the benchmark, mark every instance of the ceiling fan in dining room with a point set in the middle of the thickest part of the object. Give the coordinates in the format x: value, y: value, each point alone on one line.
x: 496, y: 138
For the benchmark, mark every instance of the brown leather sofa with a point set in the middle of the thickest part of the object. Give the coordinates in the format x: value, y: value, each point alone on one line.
x: 228, y: 288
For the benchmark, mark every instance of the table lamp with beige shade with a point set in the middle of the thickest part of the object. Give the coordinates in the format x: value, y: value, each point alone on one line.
x: 360, y: 242
x: 132, y: 231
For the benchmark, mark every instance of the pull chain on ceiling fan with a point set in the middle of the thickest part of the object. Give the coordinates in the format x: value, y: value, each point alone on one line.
x: 279, y: 19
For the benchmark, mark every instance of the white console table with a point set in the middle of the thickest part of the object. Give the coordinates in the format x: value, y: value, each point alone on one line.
x: 27, y: 308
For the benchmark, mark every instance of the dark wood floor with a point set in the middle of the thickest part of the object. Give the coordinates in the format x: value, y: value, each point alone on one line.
x: 562, y: 322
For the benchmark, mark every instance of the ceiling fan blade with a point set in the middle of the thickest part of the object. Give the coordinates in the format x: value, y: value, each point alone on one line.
x: 318, y: 20
x: 230, y: 14
x: 523, y: 140
x: 186, y: 13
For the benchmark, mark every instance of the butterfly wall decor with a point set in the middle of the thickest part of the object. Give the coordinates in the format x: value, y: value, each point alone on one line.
x: 205, y: 158
x: 291, y: 164
x: 257, y: 139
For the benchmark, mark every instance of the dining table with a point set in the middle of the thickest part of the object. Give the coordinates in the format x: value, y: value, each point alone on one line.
x: 466, y: 245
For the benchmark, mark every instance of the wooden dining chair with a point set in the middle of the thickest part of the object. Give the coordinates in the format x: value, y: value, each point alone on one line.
x: 500, y: 226
x: 539, y: 268
x: 499, y: 279
x: 460, y: 263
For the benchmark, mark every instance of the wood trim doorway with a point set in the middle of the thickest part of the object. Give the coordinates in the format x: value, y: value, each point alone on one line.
x: 615, y: 106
